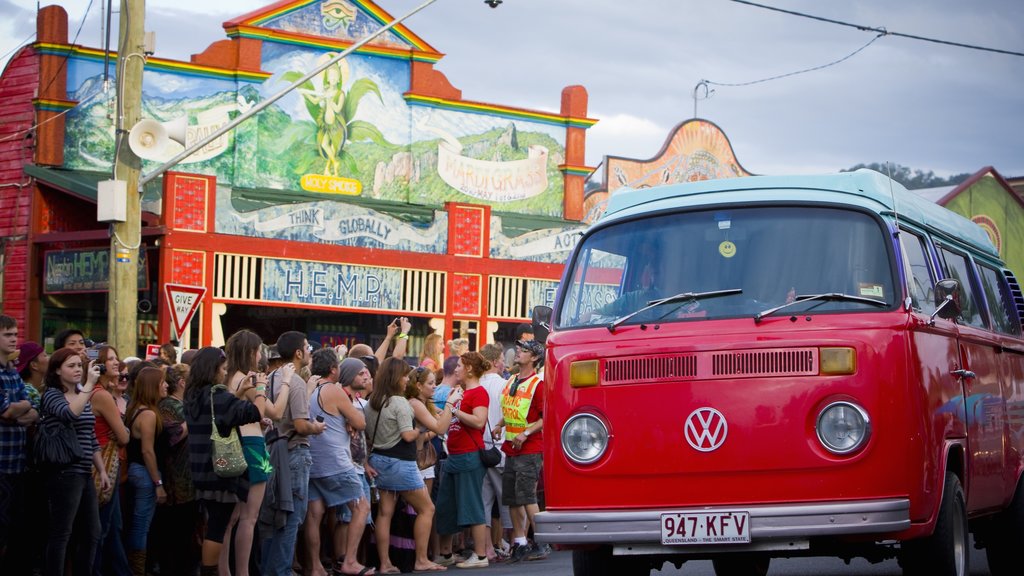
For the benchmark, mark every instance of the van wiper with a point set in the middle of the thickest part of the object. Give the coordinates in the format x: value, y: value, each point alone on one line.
x: 683, y: 297
x: 824, y: 298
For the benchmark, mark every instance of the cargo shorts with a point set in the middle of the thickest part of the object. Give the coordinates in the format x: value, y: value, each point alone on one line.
x: 519, y: 482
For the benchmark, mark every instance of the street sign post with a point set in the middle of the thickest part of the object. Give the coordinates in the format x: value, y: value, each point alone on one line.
x: 183, y: 302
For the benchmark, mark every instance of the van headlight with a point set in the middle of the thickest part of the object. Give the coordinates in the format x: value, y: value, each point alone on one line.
x: 843, y: 427
x: 584, y: 438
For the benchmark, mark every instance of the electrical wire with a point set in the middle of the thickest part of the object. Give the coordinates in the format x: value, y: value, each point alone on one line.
x: 788, y: 74
x: 50, y: 119
x: 18, y: 46
x: 881, y: 31
x: 67, y: 54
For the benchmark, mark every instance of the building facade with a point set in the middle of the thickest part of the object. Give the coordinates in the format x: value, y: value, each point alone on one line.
x: 372, y: 191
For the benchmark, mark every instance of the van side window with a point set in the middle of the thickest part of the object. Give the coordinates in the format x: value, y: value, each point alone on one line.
x: 919, y: 275
x: 959, y: 269
x: 1000, y: 302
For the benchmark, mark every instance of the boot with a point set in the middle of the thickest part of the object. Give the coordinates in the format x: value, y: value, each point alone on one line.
x: 208, y: 570
x: 137, y: 561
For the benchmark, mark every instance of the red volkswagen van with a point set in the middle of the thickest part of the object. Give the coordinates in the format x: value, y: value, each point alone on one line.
x: 774, y: 367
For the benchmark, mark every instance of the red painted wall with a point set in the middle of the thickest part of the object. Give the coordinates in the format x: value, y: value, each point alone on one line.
x: 17, y: 88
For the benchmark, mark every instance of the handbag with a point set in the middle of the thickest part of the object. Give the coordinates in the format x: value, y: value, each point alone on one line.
x: 426, y: 454
x: 228, y: 458
x: 56, y: 444
x: 489, y: 457
x: 112, y: 464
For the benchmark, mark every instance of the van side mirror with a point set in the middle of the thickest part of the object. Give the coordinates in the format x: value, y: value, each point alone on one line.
x: 947, y: 300
x: 541, y: 320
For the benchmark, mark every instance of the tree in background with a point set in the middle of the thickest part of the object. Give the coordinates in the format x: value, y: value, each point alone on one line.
x: 912, y: 179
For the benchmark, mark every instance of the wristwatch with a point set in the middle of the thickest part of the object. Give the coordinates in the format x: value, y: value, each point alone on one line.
x: 158, y: 483
x: 526, y: 432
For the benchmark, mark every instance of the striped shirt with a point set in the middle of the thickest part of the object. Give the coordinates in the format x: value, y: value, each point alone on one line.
x: 12, y: 434
x: 55, y: 405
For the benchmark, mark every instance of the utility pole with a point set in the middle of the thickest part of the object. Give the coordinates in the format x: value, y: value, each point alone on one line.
x: 122, y: 313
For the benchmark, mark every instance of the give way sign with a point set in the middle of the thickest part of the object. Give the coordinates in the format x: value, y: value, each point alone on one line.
x: 183, y: 302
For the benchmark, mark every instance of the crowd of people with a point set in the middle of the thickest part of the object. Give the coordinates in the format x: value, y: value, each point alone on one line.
x: 278, y: 459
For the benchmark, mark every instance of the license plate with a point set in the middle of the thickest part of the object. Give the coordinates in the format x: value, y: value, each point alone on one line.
x: 722, y: 527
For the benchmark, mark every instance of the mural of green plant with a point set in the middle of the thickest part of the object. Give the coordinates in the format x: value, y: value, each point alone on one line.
x: 333, y: 111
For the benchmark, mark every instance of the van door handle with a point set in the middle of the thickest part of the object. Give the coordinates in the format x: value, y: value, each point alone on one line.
x: 961, y: 373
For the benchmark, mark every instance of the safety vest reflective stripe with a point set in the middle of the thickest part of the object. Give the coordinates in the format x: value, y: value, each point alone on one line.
x: 515, y: 408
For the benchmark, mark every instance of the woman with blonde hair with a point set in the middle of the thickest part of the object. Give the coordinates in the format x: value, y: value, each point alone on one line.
x: 458, y: 347
x: 431, y: 355
x: 460, y: 496
x: 144, y: 479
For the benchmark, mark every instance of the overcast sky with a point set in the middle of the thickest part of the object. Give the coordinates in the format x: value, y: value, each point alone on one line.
x: 919, y: 104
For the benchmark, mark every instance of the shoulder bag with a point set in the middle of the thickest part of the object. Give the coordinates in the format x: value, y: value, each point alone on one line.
x: 426, y: 454
x: 489, y: 457
x: 228, y: 458
x: 56, y: 444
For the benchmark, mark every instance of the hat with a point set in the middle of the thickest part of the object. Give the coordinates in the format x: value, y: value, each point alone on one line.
x: 533, y: 346
x: 27, y: 352
x: 350, y: 367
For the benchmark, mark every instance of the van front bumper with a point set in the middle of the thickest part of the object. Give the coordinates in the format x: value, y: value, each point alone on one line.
x: 767, y: 522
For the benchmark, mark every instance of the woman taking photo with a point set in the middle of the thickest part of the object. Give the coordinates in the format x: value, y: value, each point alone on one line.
x: 145, y: 484
x: 459, y: 498
x: 430, y: 423
x: 217, y: 495
x: 244, y: 350
x: 392, y: 434
x: 70, y: 491
x: 108, y: 404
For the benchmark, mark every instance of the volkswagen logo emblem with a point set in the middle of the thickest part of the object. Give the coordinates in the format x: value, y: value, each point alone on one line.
x: 706, y: 429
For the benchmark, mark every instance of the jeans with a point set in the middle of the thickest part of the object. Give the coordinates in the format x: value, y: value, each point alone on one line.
x: 74, y: 512
x: 143, y: 495
x: 279, y: 548
x: 110, y: 557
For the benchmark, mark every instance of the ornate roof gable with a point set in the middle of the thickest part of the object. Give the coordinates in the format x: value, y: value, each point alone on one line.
x: 345, y: 21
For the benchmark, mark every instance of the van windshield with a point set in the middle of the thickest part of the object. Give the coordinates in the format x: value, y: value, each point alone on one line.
x: 733, y: 262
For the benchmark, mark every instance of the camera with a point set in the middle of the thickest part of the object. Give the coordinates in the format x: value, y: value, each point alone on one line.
x: 103, y: 369
x: 320, y: 418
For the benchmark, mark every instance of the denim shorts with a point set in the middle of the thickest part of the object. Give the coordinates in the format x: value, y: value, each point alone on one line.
x: 336, y: 490
x: 345, y: 513
x: 396, y: 475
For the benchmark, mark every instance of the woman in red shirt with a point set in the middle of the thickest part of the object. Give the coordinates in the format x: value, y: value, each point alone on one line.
x: 459, y: 499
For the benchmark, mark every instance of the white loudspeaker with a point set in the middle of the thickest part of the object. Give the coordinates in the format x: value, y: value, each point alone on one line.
x: 148, y: 138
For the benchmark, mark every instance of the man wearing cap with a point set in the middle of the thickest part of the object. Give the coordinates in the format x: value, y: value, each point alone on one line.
x: 16, y: 414
x: 522, y: 407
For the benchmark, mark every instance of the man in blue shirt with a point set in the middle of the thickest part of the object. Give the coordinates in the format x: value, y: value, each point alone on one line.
x: 16, y: 414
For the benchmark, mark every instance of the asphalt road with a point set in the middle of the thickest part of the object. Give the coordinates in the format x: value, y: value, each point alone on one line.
x: 560, y: 564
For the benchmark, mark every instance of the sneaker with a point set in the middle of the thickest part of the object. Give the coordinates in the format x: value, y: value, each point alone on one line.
x: 540, y: 552
x: 474, y: 562
x: 519, y: 551
x: 449, y: 561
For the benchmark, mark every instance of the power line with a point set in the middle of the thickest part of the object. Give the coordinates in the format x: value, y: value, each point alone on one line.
x: 844, y: 58
x: 17, y: 47
x: 882, y: 31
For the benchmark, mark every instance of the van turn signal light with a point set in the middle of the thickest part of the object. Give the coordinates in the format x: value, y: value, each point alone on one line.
x: 584, y: 374
x: 837, y: 360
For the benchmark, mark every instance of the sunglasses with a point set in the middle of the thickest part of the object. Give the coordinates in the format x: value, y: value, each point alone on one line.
x: 309, y: 347
x: 123, y: 377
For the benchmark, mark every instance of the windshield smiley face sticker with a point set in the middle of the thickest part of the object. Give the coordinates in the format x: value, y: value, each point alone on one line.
x: 727, y: 249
